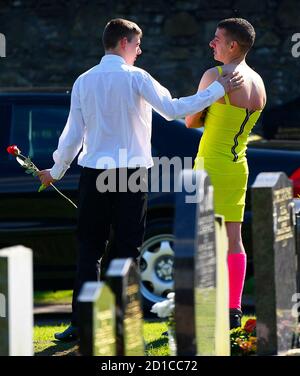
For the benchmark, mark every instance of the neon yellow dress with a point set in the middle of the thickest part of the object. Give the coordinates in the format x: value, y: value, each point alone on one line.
x: 222, y: 153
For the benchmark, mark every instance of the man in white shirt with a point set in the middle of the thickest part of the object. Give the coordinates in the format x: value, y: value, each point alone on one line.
x: 111, y: 110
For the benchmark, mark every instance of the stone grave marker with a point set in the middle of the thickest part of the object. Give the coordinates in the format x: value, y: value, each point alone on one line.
x: 96, y: 305
x: 297, y: 298
x: 297, y: 233
x: 195, y: 271
x: 274, y: 258
x: 222, y: 298
x: 124, y: 280
x: 16, y: 301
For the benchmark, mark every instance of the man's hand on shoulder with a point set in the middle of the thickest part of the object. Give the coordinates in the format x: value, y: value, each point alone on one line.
x: 45, y: 177
x: 231, y: 81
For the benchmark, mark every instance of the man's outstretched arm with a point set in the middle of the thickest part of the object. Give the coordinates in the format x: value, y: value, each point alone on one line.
x: 172, y: 108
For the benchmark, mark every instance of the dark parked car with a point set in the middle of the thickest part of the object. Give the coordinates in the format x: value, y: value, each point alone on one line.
x: 46, y: 223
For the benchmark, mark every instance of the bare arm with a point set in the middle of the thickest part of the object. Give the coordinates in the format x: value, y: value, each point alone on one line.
x: 197, y: 120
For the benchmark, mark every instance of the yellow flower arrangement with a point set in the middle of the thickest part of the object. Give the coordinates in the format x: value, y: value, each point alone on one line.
x: 243, y: 340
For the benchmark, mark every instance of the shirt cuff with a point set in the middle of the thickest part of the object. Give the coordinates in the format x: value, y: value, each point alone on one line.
x: 217, y: 89
x: 57, y: 172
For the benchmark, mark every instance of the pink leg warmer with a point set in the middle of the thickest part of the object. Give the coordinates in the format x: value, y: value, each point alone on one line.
x: 237, y: 272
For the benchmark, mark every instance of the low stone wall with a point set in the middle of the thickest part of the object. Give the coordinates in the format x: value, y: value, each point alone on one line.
x: 50, y: 42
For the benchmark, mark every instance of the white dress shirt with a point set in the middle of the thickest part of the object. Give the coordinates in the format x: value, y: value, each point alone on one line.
x: 111, y: 116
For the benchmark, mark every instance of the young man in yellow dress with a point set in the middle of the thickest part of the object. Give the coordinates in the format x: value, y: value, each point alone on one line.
x: 222, y: 150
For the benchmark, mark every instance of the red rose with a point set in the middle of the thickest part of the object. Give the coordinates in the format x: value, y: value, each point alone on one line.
x: 250, y: 325
x: 13, y: 150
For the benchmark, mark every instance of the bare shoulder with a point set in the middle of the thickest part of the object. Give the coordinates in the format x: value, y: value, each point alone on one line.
x: 254, y: 78
x: 258, y: 87
x: 257, y: 77
x: 209, y: 76
x: 211, y: 73
x: 258, y: 82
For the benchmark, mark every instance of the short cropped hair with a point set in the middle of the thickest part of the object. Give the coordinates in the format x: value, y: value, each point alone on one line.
x: 240, y: 30
x: 117, y: 29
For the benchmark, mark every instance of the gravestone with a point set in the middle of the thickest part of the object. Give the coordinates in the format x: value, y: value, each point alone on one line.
x: 97, y: 320
x: 195, y: 272
x: 297, y: 232
x: 222, y: 298
x: 297, y: 299
x: 274, y: 262
x: 123, y: 278
x: 16, y: 301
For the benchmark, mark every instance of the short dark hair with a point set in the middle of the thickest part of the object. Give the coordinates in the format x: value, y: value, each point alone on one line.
x: 117, y: 29
x: 240, y: 30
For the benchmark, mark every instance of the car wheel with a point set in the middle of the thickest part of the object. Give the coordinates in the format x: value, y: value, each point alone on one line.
x: 156, y: 268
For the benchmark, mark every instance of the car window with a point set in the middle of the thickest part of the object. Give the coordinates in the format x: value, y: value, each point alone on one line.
x: 36, y: 129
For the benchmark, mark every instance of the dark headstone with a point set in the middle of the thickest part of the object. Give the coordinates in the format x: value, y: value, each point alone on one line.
x: 274, y: 262
x: 16, y: 301
x: 97, y: 320
x: 195, y: 266
x: 4, y: 324
x: 123, y: 278
x: 297, y: 233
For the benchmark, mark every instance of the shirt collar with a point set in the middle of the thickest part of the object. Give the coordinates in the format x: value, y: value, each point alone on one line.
x: 112, y: 58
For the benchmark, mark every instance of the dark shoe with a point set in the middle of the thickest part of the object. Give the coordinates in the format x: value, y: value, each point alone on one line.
x: 70, y: 334
x: 235, y: 318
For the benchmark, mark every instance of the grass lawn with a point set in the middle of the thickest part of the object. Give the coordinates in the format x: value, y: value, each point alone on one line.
x: 53, y: 297
x: 45, y: 344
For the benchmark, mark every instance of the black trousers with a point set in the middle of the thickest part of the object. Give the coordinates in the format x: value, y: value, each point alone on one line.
x: 110, y: 225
